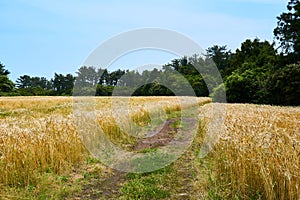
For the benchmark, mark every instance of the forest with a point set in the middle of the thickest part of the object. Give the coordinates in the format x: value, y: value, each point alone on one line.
x: 259, y: 72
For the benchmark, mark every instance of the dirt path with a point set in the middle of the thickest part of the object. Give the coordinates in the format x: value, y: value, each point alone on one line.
x: 157, y: 138
x: 109, y: 188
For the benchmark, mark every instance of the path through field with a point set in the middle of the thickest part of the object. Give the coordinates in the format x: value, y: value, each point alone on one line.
x: 179, y: 177
x: 43, y: 157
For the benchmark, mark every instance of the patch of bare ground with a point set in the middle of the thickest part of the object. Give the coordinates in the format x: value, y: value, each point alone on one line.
x: 97, y: 182
x: 156, y: 139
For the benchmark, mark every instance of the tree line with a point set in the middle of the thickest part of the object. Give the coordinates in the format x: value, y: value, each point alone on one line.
x: 258, y: 72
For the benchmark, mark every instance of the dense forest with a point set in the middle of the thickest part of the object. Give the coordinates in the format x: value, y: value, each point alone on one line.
x: 258, y: 72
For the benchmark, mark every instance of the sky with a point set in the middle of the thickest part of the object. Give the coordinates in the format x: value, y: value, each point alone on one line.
x: 40, y: 38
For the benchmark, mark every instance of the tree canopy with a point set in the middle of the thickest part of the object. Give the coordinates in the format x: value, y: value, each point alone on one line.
x: 287, y: 31
x: 6, y: 85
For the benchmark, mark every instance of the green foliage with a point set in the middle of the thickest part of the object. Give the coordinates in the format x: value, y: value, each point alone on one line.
x: 151, y: 161
x: 288, y: 31
x: 246, y: 87
x: 6, y: 85
x: 32, y: 82
x: 145, y: 188
x: 103, y: 90
x: 285, y: 85
x: 63, y: 85
x: 220, y: 56
x: 40, y: 86
x: 3, y: 71
x: 253, y: 63
x: 255, y: 52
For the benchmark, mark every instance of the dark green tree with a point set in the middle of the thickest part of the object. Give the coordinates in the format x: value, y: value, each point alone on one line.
x: 115, y: 76
x: 6, y: 85
x: 285, y: 85
x: 287, y: 31
x: 24, y: 82
x: 3, y: 71
x: 86, y: 81
x: 87, y: 76
x: 257, y: 52
x: 32, y: 86
x: 220, y: 55
x: 253, y: 64
x: 105, y: 78
x: 63, y: 84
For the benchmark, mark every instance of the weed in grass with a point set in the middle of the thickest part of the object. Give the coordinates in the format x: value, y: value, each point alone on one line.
x: 145, y: 188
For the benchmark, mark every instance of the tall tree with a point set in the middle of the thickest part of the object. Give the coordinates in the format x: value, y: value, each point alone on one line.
x: 252, y: 65
x: 257, y: 52
x: 24, y: 81
x: 3, y: 71
x: 87, y: 77
x: 288, y: 31
x: 63, y: 85
x: 6, y: 85
x: 115, y: 76
x: 220, y: 56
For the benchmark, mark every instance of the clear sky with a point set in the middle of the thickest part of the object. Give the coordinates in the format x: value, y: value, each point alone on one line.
x: 40, y: 37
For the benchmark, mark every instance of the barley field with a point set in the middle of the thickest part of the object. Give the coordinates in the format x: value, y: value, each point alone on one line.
x: 257, y: 155
x: 38, y: 134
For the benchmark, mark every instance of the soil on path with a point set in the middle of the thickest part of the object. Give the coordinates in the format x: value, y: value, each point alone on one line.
x: 158, y: 138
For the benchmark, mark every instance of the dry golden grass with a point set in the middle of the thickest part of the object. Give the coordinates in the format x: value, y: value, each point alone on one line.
x: 258, y: 154
x: 38, y: 134
x: 123, y: 124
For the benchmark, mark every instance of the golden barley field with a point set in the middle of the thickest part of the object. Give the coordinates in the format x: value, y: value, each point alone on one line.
x: 37, y: 134
x: 257, y: 155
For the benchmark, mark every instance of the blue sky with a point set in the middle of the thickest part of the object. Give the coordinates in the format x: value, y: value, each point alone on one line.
x: 40, y: 37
